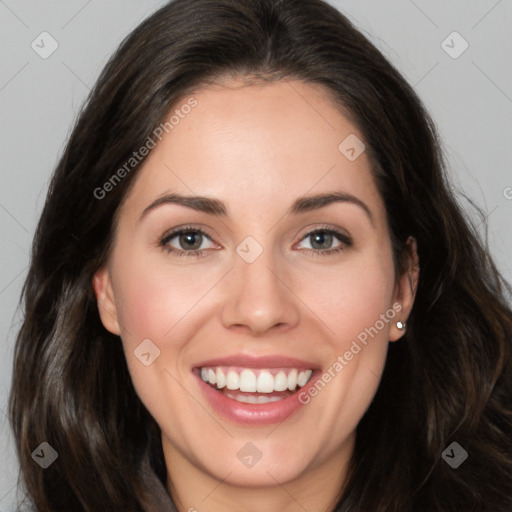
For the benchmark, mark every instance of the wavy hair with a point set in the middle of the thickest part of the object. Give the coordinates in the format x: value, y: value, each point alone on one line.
x: 450, y: 377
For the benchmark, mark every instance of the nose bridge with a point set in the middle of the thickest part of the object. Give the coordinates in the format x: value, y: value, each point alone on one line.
x: 258, y: 298
x: 259, y: 278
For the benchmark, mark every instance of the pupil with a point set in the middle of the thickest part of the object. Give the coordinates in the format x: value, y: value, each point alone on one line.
x: 321, y: 240
x: 190, y: 240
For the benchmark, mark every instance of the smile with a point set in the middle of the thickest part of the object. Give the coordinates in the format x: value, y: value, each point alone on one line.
x: 254, y: 396
x: 283, y: 381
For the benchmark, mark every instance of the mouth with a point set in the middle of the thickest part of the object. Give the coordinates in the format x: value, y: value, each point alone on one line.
x: 255, y: 392
x: 252, y: 385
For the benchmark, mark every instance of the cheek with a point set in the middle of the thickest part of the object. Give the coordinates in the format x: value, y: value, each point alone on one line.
x: 153, y: 303
x: 158, y: 301
x: 352, y: 305
x: 353, y: 298
x: 152, y: 296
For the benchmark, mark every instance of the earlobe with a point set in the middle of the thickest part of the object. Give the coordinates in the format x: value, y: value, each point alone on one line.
x: 405, y: 291
x: 102, y: 285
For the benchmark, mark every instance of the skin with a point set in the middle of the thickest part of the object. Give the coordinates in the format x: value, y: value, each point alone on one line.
x: 257, y: 148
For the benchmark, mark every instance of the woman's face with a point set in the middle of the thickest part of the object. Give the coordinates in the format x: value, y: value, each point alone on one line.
x: 294, y: 273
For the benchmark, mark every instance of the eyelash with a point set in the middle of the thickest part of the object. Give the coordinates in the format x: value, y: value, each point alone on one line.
x: 200, y: 253
x: 177, y: 252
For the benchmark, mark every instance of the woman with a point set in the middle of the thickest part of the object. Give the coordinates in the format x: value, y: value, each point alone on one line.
x: 251, y: 287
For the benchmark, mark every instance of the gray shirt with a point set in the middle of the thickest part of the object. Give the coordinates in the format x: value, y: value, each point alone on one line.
x: 161, y: 500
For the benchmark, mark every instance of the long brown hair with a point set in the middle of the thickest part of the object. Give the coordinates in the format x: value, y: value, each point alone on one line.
x: 449, y: 379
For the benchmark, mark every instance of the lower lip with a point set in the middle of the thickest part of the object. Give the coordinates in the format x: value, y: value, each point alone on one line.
x: 254, y: 414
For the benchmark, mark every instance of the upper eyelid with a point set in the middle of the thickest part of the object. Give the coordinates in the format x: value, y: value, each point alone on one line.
x: 337, y: 232
x: 166, y: 238
x: 344, y: 239
x: 171, y: 233
x: 323, y: 227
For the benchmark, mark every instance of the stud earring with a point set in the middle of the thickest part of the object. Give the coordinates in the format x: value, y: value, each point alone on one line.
x: 401, y: 325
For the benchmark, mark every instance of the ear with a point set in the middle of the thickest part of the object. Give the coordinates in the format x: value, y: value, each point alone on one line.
x: 405, y: 288
x: 102, y: 285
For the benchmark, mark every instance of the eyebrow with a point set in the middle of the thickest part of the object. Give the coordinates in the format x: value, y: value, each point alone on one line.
x: 219, y: 209
x: 198, y: 203
x: 311, y: 203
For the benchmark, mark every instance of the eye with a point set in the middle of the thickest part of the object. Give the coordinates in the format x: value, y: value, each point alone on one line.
x: 324, y: 241
x: 187, y: 242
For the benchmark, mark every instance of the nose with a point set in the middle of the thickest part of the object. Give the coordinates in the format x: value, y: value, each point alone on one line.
x: 259, y: 297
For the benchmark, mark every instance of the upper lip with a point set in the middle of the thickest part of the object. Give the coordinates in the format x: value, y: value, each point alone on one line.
x: 268, y: 361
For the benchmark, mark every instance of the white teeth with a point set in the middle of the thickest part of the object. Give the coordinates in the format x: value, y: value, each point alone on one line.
x: 280, y: 381
x: 232, y: 380
x: 265, y: 383
x: 252, y: 399
x: 303, y: 378
x: 221, y: 378
x: 247, y: 381
x: 260, y: 381
x: 292, y: 380
x: 263, y: 399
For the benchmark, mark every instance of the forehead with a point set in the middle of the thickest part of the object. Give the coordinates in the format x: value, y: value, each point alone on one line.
x: 256, y: 144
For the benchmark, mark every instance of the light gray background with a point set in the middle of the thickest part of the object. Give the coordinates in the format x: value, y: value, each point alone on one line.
x: 470, y: 99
